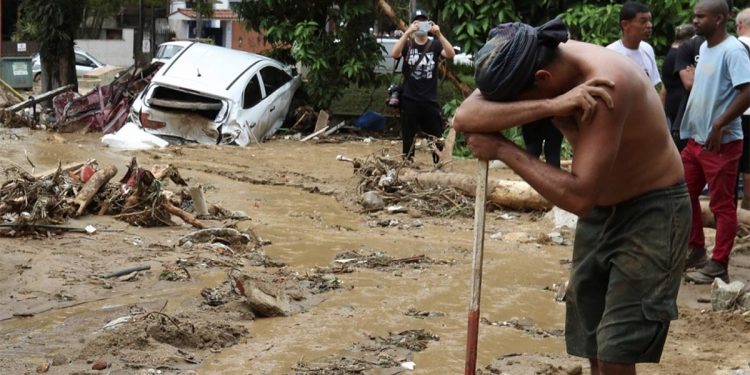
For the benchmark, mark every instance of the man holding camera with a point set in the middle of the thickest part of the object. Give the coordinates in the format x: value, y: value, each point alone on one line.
x: 419, y: 102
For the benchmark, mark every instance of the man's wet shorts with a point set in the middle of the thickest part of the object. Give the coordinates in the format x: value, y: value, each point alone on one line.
x: 627, y: 266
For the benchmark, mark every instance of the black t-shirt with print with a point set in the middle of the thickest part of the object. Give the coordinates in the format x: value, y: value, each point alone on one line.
x: 421, y: 81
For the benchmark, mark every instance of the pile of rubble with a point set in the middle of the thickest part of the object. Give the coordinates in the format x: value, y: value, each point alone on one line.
x: 106, y: 108
x: 41, y: 203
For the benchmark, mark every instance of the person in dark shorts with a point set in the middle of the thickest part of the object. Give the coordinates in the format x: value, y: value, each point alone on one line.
x: 419, y: 100
x: 639, y: 277
x: 626, y: 182
x: 543, y: 136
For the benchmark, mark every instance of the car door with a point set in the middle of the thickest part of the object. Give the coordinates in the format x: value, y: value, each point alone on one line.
x: 276, y: 84
x: 248, y: 127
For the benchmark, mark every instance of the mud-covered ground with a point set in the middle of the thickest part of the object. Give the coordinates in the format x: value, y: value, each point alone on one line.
x: 360, y: 292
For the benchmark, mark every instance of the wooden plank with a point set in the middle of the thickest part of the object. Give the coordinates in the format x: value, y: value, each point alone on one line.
x: 322, y: 122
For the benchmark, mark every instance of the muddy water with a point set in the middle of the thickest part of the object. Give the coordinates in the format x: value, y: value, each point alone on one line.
x: 308, y: 230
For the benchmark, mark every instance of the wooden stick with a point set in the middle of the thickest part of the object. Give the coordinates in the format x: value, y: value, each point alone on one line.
x: 127, y: 271
x: 472, y: 336
x: 12, y: 90
x: 186, y: 217
x: 89, y: 190
x: 38, y: 99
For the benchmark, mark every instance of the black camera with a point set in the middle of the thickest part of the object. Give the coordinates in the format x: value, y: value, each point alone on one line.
x: 394, y: 92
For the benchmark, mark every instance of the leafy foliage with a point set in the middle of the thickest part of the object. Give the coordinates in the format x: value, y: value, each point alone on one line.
x: 331, y: 39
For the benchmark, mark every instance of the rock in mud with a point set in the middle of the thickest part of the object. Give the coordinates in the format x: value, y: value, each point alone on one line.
x: 723, y: 295
x: 100, y: 364
x: 543, y: 364
x: 266, y: 305
x: 372, y: 201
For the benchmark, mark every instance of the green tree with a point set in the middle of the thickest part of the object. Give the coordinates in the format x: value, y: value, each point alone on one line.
x: 52, y: 23
x: 330, y: 38
x: 203, y: 9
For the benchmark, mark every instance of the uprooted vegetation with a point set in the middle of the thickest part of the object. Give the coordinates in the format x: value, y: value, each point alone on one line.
x: 30, y: 204
x: 379, y: 173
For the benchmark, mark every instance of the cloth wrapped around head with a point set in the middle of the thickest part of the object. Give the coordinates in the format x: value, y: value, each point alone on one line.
x: 506, y: 64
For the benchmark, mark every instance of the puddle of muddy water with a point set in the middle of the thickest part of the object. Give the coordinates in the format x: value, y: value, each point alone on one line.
x: 308, y: 230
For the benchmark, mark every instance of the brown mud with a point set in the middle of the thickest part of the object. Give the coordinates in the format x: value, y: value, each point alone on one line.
x: 352, y: 277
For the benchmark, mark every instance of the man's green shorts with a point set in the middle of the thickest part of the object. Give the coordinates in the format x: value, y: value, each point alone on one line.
x: 627, y: 266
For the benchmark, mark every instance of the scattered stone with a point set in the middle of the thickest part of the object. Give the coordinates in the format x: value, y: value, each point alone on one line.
x: 744, y: 301
x: 265, y: 305
x: 100, y: 364
x: 371, y: 201
x: 42, y: 368
x: 723, y: 295
x: 497, y: 236
x: 556, y: 238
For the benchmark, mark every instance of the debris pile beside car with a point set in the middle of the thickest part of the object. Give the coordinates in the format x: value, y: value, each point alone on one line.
x: 105, y: 108
x: 31, y: 203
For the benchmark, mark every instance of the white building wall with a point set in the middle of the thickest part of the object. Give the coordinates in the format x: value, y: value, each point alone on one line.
x: 113, y: 52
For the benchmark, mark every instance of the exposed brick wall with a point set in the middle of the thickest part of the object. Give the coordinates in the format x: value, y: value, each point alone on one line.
x: 247, y: 40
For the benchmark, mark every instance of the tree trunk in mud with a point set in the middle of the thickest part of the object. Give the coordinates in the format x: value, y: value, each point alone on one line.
x: 517, y: 195
x: 92, y: 186
x: 709, y: 221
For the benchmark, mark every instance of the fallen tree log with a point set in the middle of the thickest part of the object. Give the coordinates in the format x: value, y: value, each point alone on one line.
x: 89, y: 190
x: 517, y: 195
x: 709, y: 221
x: 186, y: 217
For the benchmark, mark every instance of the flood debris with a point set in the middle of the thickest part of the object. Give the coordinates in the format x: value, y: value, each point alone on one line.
x: 41, y: 203
x: 380, y: 187
x: 348, y: 261
x: 526, y: 363
x: 423, y: 314
x: 525, y: 325
x: 383, y: 355
x: 107, y: 107
x: 726, y: 296
x: 264, y: 294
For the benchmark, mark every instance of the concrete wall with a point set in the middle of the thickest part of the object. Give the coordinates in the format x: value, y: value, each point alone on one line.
x: 113, y: 52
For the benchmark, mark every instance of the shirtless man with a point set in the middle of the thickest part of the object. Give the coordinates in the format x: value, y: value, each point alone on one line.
x: 626, y: 182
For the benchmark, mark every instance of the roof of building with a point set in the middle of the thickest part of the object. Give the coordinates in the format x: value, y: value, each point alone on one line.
x: 219, y: 14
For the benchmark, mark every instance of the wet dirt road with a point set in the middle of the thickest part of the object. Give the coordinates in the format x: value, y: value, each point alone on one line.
x: 301, y: 200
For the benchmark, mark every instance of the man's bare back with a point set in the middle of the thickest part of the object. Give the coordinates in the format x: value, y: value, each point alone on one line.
x: 646, y: 158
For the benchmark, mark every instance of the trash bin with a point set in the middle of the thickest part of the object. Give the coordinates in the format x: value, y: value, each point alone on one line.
x: 16, y: 72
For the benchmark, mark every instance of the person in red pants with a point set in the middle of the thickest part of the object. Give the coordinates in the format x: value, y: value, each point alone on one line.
x: 711, y: 125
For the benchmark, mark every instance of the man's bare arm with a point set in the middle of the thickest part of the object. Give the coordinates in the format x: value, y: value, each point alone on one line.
x: 478, y: 115
x: 579, y: 190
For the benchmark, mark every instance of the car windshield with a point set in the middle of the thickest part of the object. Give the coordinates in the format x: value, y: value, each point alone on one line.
x: 166, y: 52
x: 92, y: 58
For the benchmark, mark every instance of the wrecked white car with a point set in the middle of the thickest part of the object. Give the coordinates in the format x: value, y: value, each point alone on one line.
x: 215, y: 95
